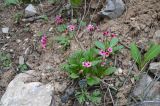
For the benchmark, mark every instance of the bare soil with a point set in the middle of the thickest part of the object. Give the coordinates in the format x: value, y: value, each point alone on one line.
x: 138, y: 23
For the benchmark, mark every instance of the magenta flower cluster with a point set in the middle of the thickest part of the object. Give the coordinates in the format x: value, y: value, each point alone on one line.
x: 90, y: 27
x: 58, y: 19
x: 105, y: 53
x: 44, y: 41
x: 108, y: 33
x: 86, y: 64
x: 71, y: 27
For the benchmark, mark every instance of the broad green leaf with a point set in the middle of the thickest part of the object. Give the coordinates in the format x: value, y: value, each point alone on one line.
x: 110, y: 70
x: 10, y: 2
x: 96, y: 93
x: 117, y: 48
x: 153, y: 52
x: 74, y: 76
x: 113, y: 42
x: 82, y: 23
x: 73, y: 65
x: 135, y: 53
x: 93, y: 81
x: 62, y: 28
x: 81, y: 99
x: 96, y: 62
x: 75, y: 2
x: 100, y: 45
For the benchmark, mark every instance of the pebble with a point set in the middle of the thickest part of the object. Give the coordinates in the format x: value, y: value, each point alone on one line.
x: 5, y: 30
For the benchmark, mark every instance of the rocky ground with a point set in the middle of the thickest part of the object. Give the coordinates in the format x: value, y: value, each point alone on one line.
x: 139, y: 23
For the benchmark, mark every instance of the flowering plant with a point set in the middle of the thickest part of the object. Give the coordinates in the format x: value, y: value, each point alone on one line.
x: 93, y: 63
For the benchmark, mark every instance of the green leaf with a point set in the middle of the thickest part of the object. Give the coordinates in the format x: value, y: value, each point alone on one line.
x: 135, y: 53
x: 10, y: 2
x: 82, y: 23
x: 100, y: 45
x: 93, y: 81
x: 75, y: 2
x: 96, y: 93
x: 62, y: 28
x: 113, y: 42
x: 74, y: 76
x: 153, y: 52
x: 117, y: 48
x: 110, y: 70
x: 96, y: 62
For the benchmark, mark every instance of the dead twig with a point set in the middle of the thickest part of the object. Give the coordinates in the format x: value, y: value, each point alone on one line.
x: 108, y: 85
x: 111, y: 95
x: 124, y: 45
x: 105, y: 98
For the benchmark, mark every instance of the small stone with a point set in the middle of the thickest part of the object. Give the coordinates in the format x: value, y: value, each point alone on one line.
x: 30, y: 10
x: 18, y: 40
x: 8, y: 37
x: 113, y: 9
x: 156, y: 37
x: 119, y: 71
x: 11, y: 50
x: 70, y: 91
x: 21, y: 60
x: 26, y: 40
x: 155, y: 68
x: 5, y: 30
x: 50, y: 29
x: 64, y: 99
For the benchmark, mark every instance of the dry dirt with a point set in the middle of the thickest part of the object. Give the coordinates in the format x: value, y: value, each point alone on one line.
x: 138, y: 23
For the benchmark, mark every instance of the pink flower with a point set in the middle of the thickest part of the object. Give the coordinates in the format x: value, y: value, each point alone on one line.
x: 106, y: 33
x: 90, y: 27
x: 44, y: 41
x: 107, y: 54
x: 102, y: 53
x: 86, y: 64
x: 71, y: 27
x: 58, y: 19
x: 109, y: 49
x: 113, y: 35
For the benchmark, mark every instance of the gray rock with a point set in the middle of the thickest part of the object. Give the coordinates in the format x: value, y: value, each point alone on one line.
x: 5, y: 30
x: 156, y: 37
x: 21, y: 60
x: 147, y: 89
x: 21, y: 93
x: 113, y: 9
x: 147, y: 103
x: 155, y: 68
x: 30, y: 10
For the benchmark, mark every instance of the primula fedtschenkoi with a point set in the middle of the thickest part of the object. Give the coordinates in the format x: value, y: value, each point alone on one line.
x: 110, y: 49
x: 44, y: 41
x: 90, y: 27
x: 106, y: 33
x: 107, y: 54
x: 86, y: 64
x: 71, y: 27
x: 113, y: 35
x: 102, y: 53
x: 58, y: 19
